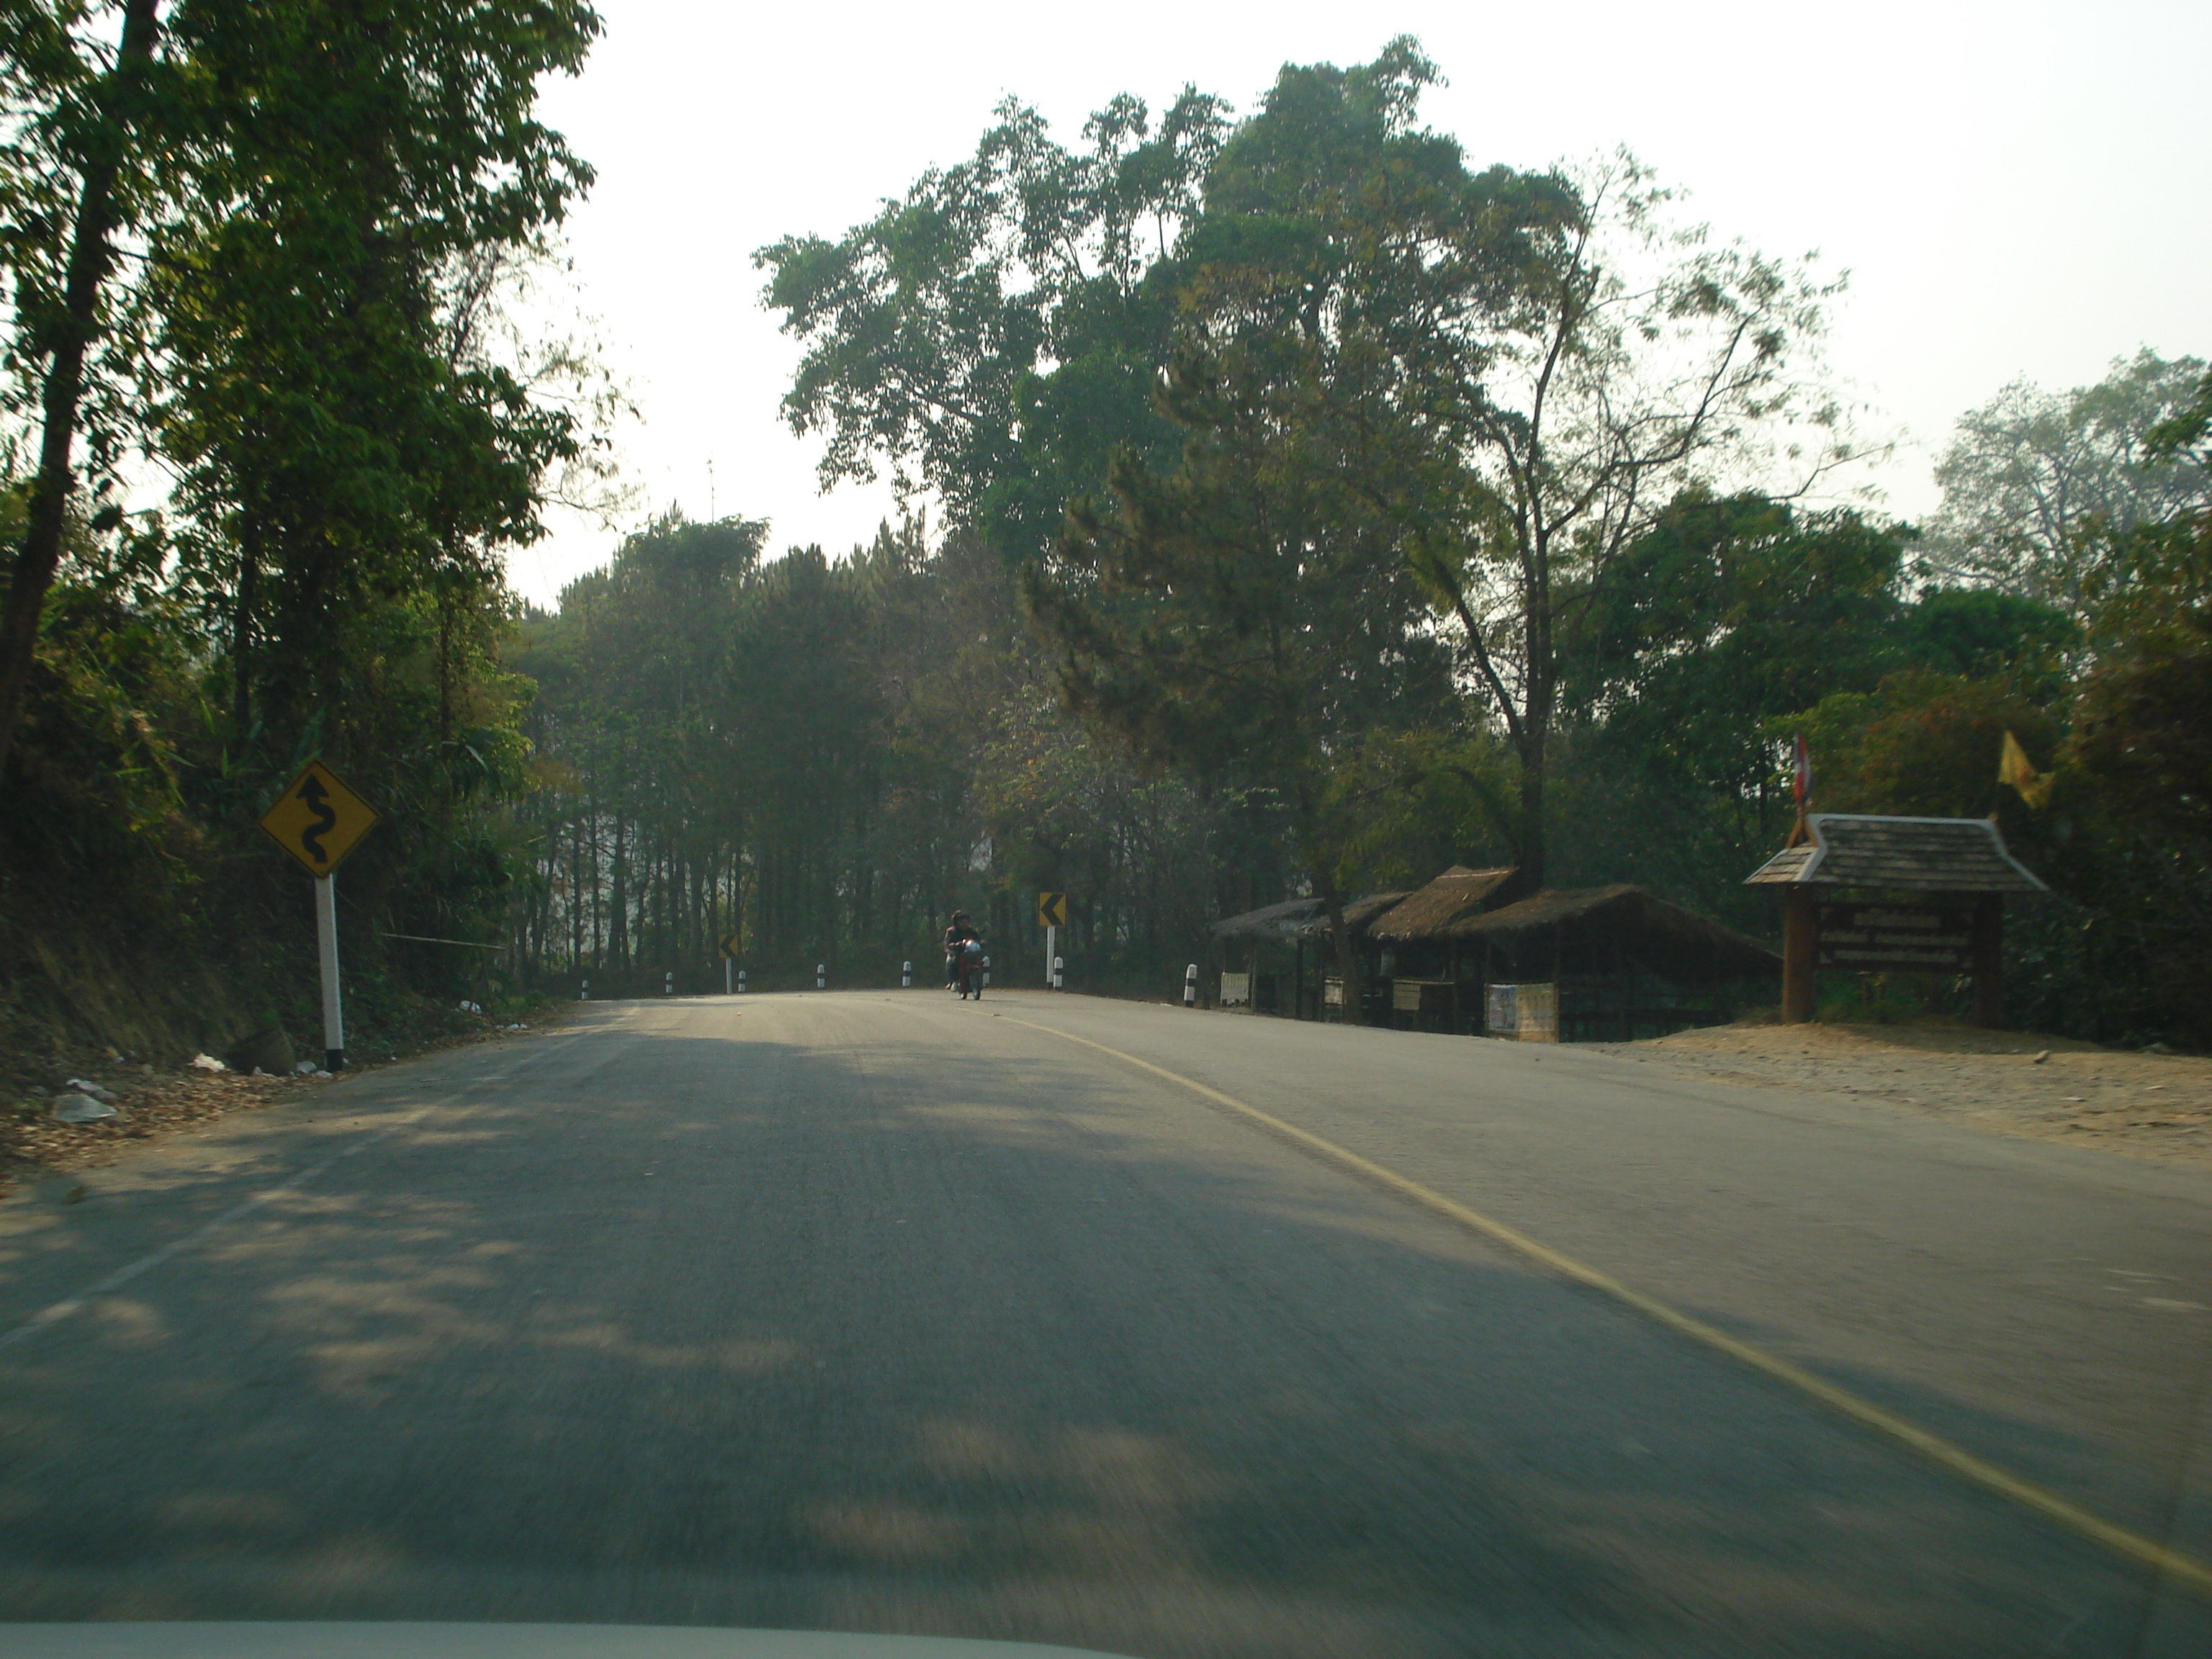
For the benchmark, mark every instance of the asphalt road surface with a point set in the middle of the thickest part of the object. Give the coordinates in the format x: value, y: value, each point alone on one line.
x: 880, y: 1311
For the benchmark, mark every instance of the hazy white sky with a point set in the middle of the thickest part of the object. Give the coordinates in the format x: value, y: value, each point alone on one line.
x: 2017, y: 188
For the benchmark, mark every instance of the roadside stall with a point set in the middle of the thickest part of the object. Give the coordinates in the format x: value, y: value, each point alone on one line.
x: 1433, y: 981
x: 1256, y: 949
x: 1601, y: 963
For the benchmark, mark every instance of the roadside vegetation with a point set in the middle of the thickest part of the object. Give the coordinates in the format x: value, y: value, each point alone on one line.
x: 1296, y: 505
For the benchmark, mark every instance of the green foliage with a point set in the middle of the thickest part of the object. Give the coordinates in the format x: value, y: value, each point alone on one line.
x: 1408, y: 804
x: 1723, y: 615
x: 1492, y: 377
x: 342, y: 439
x: 1922, y: 744
x: 825, y: 758
x: 1241, y: 619
x: 2124, y: 841
x: 1981, y: 632
x: 992, y: 334
x: 2142, y: 738
x: 326, y: 201
x: 1322, y: 509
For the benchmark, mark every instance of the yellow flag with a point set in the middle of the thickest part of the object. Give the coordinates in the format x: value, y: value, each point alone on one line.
x: 2034, y: 787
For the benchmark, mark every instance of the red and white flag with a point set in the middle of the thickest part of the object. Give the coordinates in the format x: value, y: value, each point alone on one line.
x: 1801, y: 781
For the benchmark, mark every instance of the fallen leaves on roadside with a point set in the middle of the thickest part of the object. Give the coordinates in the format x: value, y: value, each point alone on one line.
x: 33, y: 1142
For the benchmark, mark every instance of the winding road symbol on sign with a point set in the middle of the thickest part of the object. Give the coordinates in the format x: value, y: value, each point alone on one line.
x: 317, y: 820
x: 318, y: 798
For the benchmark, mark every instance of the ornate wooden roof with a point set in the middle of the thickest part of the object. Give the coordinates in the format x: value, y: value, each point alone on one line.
x: 1919, y: 855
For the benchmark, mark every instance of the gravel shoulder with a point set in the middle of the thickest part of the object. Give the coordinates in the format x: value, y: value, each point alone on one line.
x: 2141, y: 1105
x: 152, y: 1102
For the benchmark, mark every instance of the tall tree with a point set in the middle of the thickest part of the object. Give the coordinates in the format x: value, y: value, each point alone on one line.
x: 1342, y: 287
x: 2042, y: 489
x: 1244, y: 619
x: 992, y: 334
x: 1510, y: 373
x: 1630, y: 361
x: 342, y: 437
x: 77, y: 160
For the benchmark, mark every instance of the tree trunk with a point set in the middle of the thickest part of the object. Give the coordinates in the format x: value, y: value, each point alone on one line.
x: 1542, y: 690
x: 1346, y: 952
x: 241, y: 631
x: 71, y: 334
x: 1531, y: 849
x: 618, y: 901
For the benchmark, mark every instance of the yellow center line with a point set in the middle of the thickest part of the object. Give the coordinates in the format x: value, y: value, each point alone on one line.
x: 2171, y: 1563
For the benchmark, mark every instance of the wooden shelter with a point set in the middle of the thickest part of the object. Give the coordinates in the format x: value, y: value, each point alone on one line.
x: 1260, y: 939
x: 1423, y: 913
x: 1413, y: 964
x: 1616, y: 961
x: 1859, y: 863
x: 1623, y: 962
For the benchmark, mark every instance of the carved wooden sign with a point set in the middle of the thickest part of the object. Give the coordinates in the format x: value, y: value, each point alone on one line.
x: 1897, y: 939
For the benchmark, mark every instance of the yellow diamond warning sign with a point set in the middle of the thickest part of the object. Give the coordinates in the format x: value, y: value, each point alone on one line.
x: 317, y: 820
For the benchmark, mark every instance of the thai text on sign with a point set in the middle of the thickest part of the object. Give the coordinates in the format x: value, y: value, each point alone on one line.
x: 1897, y: 939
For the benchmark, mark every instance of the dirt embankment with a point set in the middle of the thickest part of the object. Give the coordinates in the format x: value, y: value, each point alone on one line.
x: 2145, y: 1105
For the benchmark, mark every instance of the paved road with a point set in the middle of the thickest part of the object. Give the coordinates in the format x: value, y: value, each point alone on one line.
x: 879, y: 1311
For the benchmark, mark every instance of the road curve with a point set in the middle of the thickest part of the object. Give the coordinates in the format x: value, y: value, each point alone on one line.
x: 879, y: 1311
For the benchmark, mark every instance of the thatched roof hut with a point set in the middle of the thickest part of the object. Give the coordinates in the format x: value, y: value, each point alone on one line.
x: 1685, y: 946
x: 1293, y: 925
x: 1453, y: 896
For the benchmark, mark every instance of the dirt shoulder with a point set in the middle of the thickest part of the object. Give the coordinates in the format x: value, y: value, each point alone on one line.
x: 2143, y: 1105
x: 152, y: 1102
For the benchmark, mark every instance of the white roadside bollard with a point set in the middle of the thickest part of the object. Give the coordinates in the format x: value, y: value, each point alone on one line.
x: 585, y: 995
x: 821, y: 975
x: 1190, y: 986
x: 1059, y: 973
x: 741, y: 981
x: 668, y: 987
x: 906, y: 976
x: 987, y: 970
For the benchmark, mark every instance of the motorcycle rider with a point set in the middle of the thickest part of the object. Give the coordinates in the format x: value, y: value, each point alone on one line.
x: 957, y: 937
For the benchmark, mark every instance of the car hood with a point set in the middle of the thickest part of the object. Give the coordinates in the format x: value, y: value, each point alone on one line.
x: 154, y: 1639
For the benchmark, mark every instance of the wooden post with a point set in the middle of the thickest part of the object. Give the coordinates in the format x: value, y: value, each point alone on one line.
x: 1988, y: 959
x: 1628, y: 1001
x: 1801, y: 924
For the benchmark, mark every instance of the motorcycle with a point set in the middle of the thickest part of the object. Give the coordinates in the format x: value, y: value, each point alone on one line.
x: 969, y: 969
